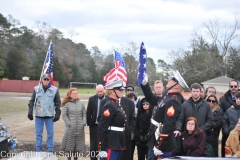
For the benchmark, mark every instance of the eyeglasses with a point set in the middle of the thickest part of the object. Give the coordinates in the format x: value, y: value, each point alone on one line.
x: 174, y: 79
x: 46, y: 79
x: 145, y: 103
x: 213, y: 101
x: 129, y: 90
x: 234, y: 86
x: 190, y: 124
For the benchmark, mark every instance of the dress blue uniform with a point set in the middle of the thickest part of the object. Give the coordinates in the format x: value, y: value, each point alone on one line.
x: 111, y: 135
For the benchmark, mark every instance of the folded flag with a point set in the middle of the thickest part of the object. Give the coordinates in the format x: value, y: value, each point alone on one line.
x: 142, y: 64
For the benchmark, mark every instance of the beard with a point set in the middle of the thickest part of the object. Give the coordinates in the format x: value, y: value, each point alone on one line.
x: 234, y: 92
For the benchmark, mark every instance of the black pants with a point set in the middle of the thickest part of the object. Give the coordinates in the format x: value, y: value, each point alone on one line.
x: 93, y: 140
x: 215, y: 148
x: 142, y: 151
x: 224, y: 139
x: 126, y: 154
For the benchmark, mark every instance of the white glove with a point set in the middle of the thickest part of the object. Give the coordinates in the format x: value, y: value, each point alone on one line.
x: 235, y: 156
x: 156, y: 133
x: 228, y: 155
x: 103, y: 154
x: 145, y: 79
x: 176, y: 133
x: 157, y: 152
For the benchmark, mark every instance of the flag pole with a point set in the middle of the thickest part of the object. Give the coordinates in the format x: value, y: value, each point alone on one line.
x: 45, y: 61
x: 42, y: 70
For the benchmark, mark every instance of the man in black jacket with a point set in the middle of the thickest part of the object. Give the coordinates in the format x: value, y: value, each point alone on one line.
x: 92, y: 114
x: 225, y: 102
x: 196, y: 107
x: 154, y: 99
x: 129, y: 109
x: 231, y: 116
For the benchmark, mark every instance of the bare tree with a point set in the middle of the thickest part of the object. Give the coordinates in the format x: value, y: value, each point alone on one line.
x: 44, y: 30
x: 73, y: 34
x: 223, y: 36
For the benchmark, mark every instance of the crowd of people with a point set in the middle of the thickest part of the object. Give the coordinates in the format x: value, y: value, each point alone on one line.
x: 161, y: 124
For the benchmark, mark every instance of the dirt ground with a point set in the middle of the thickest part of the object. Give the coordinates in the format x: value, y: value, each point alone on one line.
x: 21, y: 127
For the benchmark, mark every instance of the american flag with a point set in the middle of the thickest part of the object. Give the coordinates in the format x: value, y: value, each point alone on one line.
x: 48, y: 64
x: 119, y: 72
x: 142, y: 64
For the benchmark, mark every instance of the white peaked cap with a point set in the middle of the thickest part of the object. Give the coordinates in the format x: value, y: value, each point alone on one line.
x: 115, y: 84
x: 180, y: 79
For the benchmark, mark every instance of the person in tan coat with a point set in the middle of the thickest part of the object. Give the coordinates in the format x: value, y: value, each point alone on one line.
x: 74, y: 116
x: 232, y: 147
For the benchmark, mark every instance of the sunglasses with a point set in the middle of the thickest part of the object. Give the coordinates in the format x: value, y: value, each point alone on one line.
x: 145, y: 103
x: 213, y: 101
x: 234, y: 86
x: 46, y: 79
x: 174, y: 79
x: 129, y: 90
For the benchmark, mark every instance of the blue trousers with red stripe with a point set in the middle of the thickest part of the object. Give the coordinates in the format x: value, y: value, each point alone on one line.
x: 112, y: 154
x: 165, y: 155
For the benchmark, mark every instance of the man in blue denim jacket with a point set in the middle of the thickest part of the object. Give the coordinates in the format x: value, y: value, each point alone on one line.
x: 45, y: 99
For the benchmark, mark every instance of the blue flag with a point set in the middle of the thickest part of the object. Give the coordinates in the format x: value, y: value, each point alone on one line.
x: 142, y: 64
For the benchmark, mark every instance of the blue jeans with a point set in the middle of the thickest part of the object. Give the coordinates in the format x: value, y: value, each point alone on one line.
x: 39, y: 124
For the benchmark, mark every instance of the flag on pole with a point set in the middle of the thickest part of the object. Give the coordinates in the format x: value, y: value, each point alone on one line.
x: 119, y: 72
x: 48, y: 64
x: 142, y: 64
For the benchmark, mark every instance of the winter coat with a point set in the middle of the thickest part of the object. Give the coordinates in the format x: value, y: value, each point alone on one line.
x: 200, y: 110
x: 142, y: 123
x: 233, y: 143
x: 195, y: 146
x: 74, y: 116
x: 213, y: 133
x: 230, y: 119
x: 226, y: 101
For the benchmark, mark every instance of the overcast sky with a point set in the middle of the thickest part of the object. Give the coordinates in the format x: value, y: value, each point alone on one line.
x: 163, y: 25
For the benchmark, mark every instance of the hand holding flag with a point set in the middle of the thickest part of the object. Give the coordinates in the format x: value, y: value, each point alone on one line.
x: 142, y: 64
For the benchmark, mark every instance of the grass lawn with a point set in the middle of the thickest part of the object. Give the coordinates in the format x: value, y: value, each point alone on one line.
x: 80, y: 90
x: 12, y: 105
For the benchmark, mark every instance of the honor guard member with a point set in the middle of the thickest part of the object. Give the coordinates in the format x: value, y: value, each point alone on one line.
x: 161, y: 139
x: 111, y: 136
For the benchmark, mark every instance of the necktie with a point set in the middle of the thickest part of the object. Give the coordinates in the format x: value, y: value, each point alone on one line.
x: 99, y: 100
